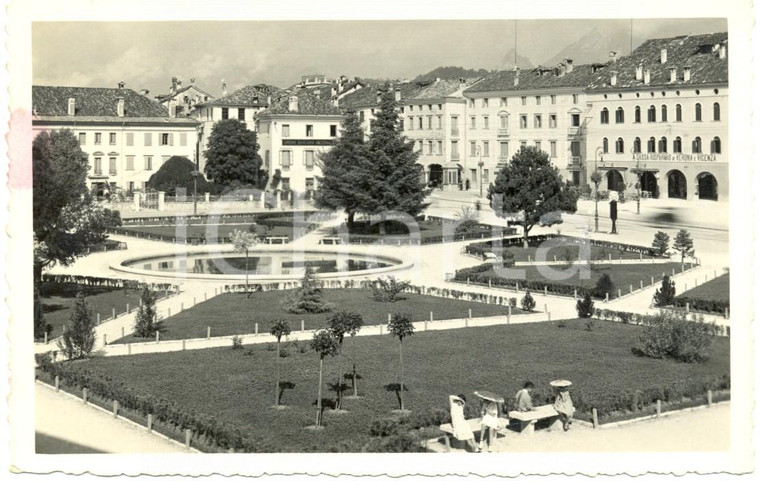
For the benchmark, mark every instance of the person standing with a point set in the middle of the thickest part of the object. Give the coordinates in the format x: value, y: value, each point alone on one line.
x: 490, y: 420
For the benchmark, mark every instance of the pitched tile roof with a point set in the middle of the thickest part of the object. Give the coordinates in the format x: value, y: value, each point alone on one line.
x: 367, y: 96
x: 164, y: 97
x: 696, y: 51
x: 93, y: 102
x: 249, y: 96
x: 537, y: 78
x: 308, y: 104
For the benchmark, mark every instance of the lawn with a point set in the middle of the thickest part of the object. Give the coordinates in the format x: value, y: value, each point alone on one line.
x: 564, y: 252
x: 236, y: 386
x: 429, y: 231
x: 229, y: 314
x: 717, y: 289
x: 58, y: 302
x: 622, y: 275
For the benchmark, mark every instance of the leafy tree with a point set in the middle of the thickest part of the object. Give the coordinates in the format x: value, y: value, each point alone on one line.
x: 280, y: 328
x: 468, y: 219
x: 401, y: 326
x: 661, y: 243
x: 604, y: 286
x: 684, y: 244
x: 309, y: 298
x: 340, y: 324
x: 388, y: 289
x: 585, y: 306
x: 527, y: 302
x: 343, y: 170
x: 233, y: 154
x: 529, y: 188
x: 243, y: 241
x: 325, y: 344
x: 146, y: 320
x: 66, y: 220
x: 666, y: 294
x: 393, y: 178
x: 177, y: 172
x: 79, y: 340
x: 672, y: 335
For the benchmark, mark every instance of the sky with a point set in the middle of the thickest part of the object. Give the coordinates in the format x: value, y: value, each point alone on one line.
x: 146, y: 55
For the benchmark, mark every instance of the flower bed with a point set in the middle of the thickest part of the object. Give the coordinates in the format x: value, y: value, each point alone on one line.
x: 622, y: 251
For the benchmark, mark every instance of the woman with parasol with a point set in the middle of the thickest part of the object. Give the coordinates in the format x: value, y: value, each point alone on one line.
x: 563, y: 403
x: 490, y: 416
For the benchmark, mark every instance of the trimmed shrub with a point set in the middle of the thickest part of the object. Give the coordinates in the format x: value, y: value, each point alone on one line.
x: 389, y: 289
x: 604, y: 286
x: 666, y: 294
x: 585, y: 306
x: 527, y: 303
x: 672, y: 335
x: 79, y: 340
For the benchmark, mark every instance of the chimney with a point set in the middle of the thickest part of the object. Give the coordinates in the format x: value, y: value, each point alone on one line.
x: 174, y: 85
x: 613, y: 78
x: 224, y: 88
x: 647, y: 75
x: 517, y: 76
x: 121, y: 85
x: 172, y: 110
x: 640, y: 71
x: 397, y: 94
x: 663, y: 55
x: 192, y: 80
x: 569, y: 63
x: 562, y: 70
x: 293, y: 103
x: 686, y: 74
x: 722, y: 51
x: 673, y: 74
x: 120, y: 106
x: 179, y: 84
x: 72, y: 106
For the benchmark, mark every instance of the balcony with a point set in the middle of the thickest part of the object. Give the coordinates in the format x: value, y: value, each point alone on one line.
x: 574, y: 131
x: 502, y: 133
x: 574, y: 163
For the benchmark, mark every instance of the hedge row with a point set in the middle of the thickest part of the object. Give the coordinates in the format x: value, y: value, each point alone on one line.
x: 105, y: 282
x: 703, y: 305
x: 643, y: 319
x: 475, y: 275
x: 259, y: 216
x: 536, y: 240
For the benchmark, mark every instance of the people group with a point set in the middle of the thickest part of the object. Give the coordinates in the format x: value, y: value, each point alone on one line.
x: 490, y: 409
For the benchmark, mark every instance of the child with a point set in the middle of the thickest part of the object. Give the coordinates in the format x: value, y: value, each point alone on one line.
x: 459, y: 424
x: 523, y: 402
x: 564, y: 405
x: 490, y: 420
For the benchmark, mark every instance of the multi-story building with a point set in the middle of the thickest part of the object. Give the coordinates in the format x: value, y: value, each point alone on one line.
x: 661, y: 115
x: 546, y: 108
x: 243, y: 105
x: 181, y: 101
x: 293, y: 131
x: 127, y: 136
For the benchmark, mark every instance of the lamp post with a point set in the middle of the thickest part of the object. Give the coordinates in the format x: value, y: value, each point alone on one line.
x: 195, y: 192
x: 595, y: 178
x: 637, y: 170
x: 480, y: 167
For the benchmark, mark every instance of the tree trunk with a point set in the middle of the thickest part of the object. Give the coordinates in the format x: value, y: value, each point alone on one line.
x: 351, y: 215
x: 319, y: 395
x: 247, y: 291
x: 382, y: 223
x: 401, y: 387
x: 526, y: 231
x: 277, y: 384
x: 340, y: 375
x: 353, y: 343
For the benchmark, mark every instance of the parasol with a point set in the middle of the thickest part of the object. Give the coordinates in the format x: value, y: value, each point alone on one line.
x: 561, y: 383
x: 489, y: 396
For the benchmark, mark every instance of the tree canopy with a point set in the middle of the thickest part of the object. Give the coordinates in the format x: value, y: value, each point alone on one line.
x: 67, y: 221
x: 233, y: 154
x: 177, y: 172
x: 343, y: 170
x: 529, y: 188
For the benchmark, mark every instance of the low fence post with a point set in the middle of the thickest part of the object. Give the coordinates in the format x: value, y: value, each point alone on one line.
x: 610, y: 257
x: 127, y: 307
x: 687, y: 308
x: 150, y: 422
x: 489, y: 282
x: 303, y: 326
x: 630, y: 288
x: 546, y: 291
x: 115, y: 408
x: 113, y: 312
x: 709, y: 397
x: 57, y: 383
x: 158, y: 337
x: 509, y: 313
x: 575, y: 293
x: 468, y: 281
x: 606, y: 297
x: 619, y: 292
x: 188, y: 437
x: 256, y: 328
x: 673, y: 271
x: 183, y: 344
x: 208, y: 332
x: 658, y: 408
x: 98, y: 318
x: 641, y: 284
x: 469, y: 313
x: 517, y: 287
x: 105, y: 340
x: 595, y: 418
x: 725, y: 314
x: 129, y: 348
x: 46, y: 338
x: 652, y: 281
x: 84, y: 394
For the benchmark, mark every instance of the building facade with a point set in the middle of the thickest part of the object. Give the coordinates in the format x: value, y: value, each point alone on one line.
x: 127, y: 136
x: 659, y: 119
x: 293, y: 132
x: 181, y: 101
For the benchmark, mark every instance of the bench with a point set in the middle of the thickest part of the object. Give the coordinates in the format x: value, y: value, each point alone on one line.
x: 474, y: 425
x: 528, y: 419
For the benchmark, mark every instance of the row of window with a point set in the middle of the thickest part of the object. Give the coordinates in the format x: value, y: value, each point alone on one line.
x: 286, y: 159
x: 164, y: 138
x: 537, y: 99
x: 130, y: 164
x: 661, y: 146
x: 425, y: 123
x: 240, y: 114
x: 308, y: 130
x: 485, y: 150
x: 422, y: 107
x: 652, y: 114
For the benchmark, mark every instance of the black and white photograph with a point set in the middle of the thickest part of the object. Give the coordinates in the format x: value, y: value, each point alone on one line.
x: 380, y: 242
